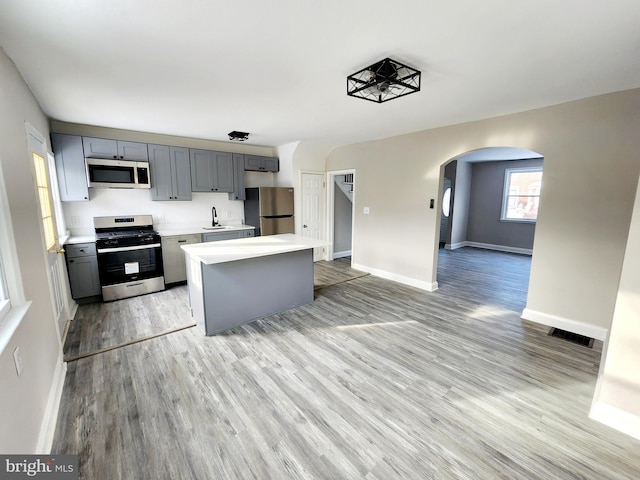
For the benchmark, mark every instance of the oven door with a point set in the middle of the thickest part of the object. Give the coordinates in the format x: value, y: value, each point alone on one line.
x: 127, y: 264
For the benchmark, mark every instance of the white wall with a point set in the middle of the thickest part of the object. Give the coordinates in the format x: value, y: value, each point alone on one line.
x: 617, y: 400
x: 111, y: 201
x: 24, y: 398
x: 591, y: 169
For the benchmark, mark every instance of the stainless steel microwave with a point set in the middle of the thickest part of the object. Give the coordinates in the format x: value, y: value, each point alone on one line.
x: 102, y: 173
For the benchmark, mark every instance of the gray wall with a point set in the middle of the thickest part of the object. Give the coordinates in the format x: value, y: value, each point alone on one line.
x: 485, y: 207
x: 342, y: 219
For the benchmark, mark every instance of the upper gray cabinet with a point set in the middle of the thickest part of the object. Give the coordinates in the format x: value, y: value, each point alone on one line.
x: 115, y: 149
x: 211, y: 171
x: 238, y: 178
x: 170, y: 173
x: 70, y: 169
x: 261, y: 164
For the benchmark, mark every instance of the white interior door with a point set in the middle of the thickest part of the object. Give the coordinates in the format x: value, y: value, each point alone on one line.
x: 52, y: 249
x: 313, y: 209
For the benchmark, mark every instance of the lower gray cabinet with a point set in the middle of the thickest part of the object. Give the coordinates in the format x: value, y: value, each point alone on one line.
x: 218, y: 236
x: 173, y: 257
x: 82, y: 265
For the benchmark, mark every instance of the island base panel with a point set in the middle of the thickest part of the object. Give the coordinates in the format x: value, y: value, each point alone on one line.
x: 239, y: 292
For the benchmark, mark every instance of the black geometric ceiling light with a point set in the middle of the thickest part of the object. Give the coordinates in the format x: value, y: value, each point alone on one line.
x: 238, y: 136
x: 383, y: 81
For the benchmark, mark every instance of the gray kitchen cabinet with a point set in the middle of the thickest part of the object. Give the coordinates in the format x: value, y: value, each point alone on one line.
x: 173, y: 257
x: 238, y: 178
x: 118, y: 149
x: 170, y: 173
x: 261, y: 164
x: 211, y: 171
x: 70, y: 168
x: 218, y: 236
x: 82, y: 266
x: 250, y: 232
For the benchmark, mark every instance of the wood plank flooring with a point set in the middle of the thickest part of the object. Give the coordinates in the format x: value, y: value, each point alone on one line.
x: 373, y: 380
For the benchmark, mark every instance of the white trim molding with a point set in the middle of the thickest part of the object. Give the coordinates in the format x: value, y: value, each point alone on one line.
x: 615, y: 418
x: 346, y: 253
x: 574, y: 326
x: 412, y: 282
x: 489, y: 246
x: 48, y: 425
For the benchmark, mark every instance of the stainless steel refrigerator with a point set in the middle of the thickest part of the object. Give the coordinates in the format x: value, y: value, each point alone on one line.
x: 269, y: 209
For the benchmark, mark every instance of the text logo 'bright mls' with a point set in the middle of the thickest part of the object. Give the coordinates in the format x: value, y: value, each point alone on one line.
x: 61, y: 467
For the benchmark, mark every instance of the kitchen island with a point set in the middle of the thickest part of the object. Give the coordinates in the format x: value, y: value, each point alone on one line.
x: 234, y: 282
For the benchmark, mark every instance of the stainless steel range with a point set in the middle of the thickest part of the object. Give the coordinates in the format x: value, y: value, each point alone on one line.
x: 129, y: 256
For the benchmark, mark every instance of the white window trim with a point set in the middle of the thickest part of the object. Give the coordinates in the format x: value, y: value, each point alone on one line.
x: 505, y: 194
x: 15, y: 309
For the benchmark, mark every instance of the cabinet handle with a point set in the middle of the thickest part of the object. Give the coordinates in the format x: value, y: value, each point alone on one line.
x: 115, y: 156
x: 182, y: 241
x: 304, y: 226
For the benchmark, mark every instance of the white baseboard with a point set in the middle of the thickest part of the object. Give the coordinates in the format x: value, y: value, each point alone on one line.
x: 500, y: 248
x: 613, y: 417
x: 48, y: 426
x: 574, y: 326
x: 412, y: 282
x: 455, y: 246
x: 346, y: 253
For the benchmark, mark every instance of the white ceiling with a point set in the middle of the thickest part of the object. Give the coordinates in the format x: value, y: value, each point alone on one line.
x: 277, y: 69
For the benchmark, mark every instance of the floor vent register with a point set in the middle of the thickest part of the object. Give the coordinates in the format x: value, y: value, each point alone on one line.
x: 572, y: 337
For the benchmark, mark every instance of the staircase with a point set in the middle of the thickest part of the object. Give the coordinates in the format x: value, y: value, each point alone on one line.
x: 345, y: 183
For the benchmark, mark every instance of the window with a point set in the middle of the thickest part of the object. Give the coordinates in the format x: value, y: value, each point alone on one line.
x: 11, y: 291
x: 42, y: 184
x: 446, y: 202
x: 521, y: 194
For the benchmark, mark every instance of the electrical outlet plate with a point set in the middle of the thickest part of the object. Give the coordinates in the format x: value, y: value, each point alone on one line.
x: 17, y: 359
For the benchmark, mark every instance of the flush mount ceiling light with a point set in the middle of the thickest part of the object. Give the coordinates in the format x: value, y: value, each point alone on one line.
x: 238, y: 136
x: 383, y: 81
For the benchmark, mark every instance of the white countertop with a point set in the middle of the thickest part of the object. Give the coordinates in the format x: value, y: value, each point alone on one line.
x: 72, y: 240
x: 245, y: 248
x: 171, y: 230
x: 163, y: 231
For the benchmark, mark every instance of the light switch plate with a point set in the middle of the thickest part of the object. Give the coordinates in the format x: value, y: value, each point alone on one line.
x: 365, y: 210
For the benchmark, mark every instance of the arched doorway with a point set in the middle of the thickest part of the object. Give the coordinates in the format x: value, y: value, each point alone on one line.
x: 492, y: 212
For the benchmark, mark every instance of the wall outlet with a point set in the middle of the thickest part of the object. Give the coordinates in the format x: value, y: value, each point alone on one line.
x: 17, y: 359
x: 365, y: 210
x: 75, y: 220
x: 228, y: 214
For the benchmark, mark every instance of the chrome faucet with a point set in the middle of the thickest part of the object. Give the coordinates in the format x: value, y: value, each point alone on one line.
x: 214, y: 217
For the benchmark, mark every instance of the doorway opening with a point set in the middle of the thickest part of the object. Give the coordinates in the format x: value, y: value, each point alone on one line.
x: 488, y: 205
x: 340, y: 202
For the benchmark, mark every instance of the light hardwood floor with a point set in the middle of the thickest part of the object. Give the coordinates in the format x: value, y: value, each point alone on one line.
x: 373, y: 380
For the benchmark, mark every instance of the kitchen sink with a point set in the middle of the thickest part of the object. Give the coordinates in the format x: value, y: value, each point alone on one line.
x: 217, y: 227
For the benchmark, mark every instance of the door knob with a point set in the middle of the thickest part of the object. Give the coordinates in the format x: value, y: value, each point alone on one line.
x: 304, y: 226
x: 60, y: 250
